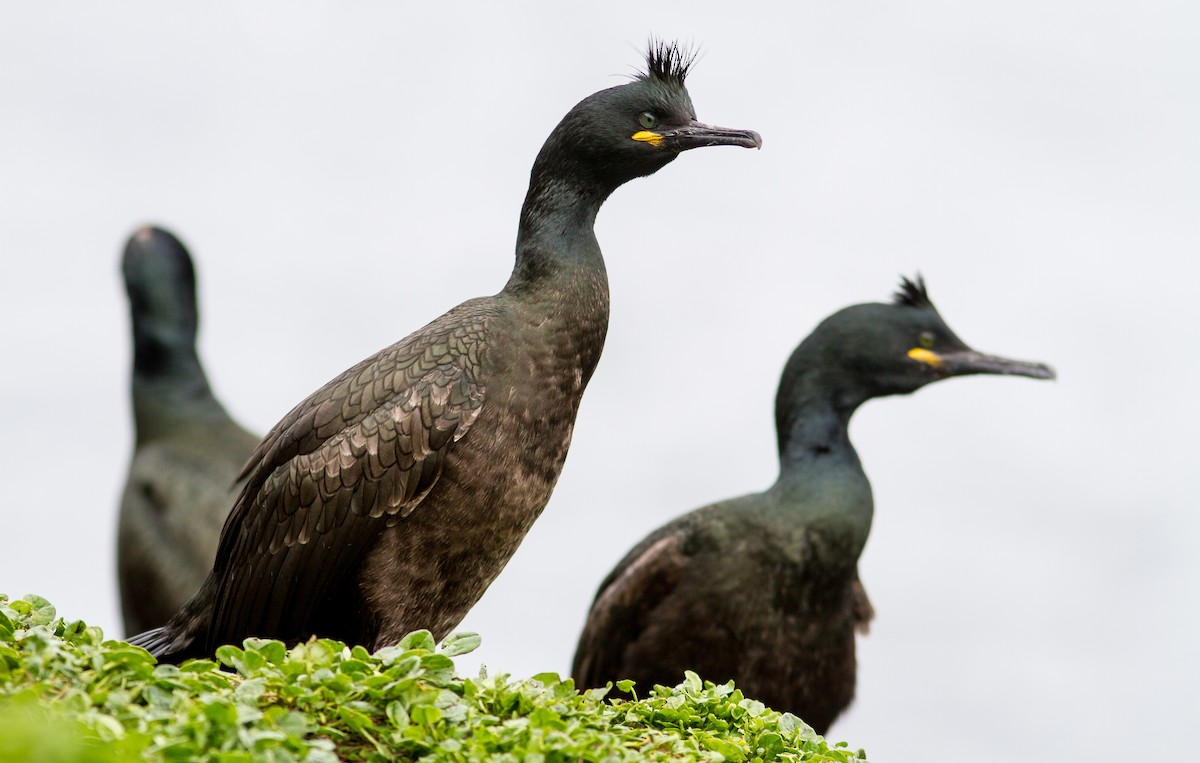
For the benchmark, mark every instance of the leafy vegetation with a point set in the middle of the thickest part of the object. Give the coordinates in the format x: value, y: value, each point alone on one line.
x: 67, y: 695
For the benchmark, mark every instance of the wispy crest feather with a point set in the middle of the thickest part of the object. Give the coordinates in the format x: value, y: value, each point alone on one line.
x: 913, y: 293
x: 667, y: 62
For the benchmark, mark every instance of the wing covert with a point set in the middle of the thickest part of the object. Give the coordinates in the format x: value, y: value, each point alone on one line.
x: 354, y: 458
x: 624, y: 604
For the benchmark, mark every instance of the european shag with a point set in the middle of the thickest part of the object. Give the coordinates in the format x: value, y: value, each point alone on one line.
x: 188, y: 451
x: 390, y: 498
x: 764, y: 589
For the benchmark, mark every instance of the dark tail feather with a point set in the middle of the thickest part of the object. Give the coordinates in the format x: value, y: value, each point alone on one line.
x: 168, y: 645
x: 183, y: 637
x: 154, y: 641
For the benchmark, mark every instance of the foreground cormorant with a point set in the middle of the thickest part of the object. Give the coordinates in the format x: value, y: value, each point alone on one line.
x: 763, y: 589
x: 188, y: 451
x: 390, y: 498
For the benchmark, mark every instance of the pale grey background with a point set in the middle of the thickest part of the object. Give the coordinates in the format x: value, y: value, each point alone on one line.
x: 345, y: 172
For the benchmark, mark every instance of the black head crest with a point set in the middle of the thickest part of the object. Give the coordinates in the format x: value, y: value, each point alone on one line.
x: 913, y: 294
x: 667, y: 62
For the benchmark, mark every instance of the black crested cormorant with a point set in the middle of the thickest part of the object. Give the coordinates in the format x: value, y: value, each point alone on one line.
x: 390, y: 498
x: 763, y: 589
x: 188, y: 451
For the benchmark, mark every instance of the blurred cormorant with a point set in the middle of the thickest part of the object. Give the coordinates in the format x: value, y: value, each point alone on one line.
x: 188, y: 451
x: 763, y: 589
x: 390, y: 498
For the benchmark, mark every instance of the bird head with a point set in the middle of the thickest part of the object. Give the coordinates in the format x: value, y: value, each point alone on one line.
x: 635, y: 129
x: 897, y: 348
x: 160, y: 279
x: 161, y: 284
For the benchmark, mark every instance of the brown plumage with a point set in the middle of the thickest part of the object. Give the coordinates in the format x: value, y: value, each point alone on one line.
x: 763, y: 589
x: 390, y: 498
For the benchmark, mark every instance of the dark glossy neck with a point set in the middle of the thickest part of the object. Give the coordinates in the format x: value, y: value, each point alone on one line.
x: 169, y: 385
x: 556, y: 234
x: 821, y: 480
x: 813, y: 419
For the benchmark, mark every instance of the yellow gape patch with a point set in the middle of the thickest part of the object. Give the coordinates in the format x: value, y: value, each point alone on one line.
x: 646, y: 136
x: 925, y: 356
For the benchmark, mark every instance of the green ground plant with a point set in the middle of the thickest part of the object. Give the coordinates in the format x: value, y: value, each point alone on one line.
x: 67, y: 696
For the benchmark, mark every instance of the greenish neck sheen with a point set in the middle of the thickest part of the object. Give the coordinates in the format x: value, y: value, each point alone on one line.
x: 556, y: 238
x: 820, y: 476
x: 812, y: 419
x: 169, y: 386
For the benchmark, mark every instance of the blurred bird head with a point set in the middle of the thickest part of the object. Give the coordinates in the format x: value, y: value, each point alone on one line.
x: 161, y: 284
x: 872, y: 350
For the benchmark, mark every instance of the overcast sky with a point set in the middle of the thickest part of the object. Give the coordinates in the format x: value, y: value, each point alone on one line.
x: 344, y: 172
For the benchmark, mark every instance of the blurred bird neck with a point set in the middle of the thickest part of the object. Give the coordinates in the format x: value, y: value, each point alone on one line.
x: 821, y: 480
x: 812, y: 423
x: 169, y: 388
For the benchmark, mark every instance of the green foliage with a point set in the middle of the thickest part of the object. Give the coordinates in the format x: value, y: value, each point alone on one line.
x: 67, y: 696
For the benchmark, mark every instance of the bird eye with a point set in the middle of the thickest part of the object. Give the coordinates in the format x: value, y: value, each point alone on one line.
x: 647, y: 120
x: 926, y: 339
